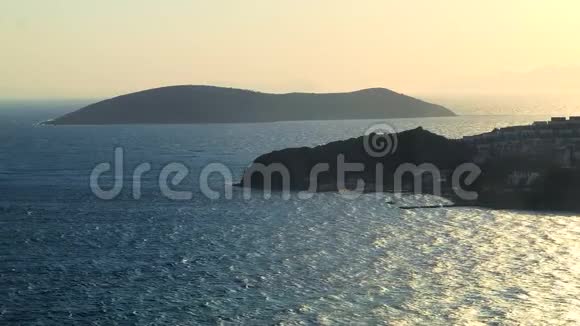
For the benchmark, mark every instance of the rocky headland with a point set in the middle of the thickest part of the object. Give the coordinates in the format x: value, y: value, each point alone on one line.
x: 524, y: 167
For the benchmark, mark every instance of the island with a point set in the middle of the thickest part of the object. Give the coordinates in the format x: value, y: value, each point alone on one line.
x: 533, y: 167
x: 210, y: 104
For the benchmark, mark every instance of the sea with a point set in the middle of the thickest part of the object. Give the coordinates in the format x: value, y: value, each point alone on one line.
x: 70, y: 257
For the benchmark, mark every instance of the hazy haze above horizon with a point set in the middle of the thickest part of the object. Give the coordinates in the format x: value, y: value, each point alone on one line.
x: 80, y: 49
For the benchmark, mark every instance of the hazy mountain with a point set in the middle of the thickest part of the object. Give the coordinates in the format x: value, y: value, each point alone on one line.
x: 208, y: 104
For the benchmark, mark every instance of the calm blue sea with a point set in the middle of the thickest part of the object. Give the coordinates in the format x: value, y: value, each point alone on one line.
x: 68, y: 257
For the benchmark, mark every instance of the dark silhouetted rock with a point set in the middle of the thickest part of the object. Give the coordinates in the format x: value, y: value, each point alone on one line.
x: 506, y: 181
x: 415, y: 146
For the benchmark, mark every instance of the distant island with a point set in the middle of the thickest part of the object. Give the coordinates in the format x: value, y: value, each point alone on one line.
x: 535, y: 167
x: 210, y: 104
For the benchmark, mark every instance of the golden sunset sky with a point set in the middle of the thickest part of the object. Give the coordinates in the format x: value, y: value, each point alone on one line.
x: 88, y: 49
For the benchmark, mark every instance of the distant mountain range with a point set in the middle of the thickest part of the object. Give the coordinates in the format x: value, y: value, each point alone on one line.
x: 209, y: 104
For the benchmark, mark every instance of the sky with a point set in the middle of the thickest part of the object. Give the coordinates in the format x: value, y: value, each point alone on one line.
x: 93, y: 49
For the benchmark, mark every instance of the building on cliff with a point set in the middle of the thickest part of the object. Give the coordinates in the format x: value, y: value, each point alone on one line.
x: 557, y: 141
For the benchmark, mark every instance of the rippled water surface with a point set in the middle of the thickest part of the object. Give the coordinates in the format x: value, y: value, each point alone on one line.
x: 67, y: 256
